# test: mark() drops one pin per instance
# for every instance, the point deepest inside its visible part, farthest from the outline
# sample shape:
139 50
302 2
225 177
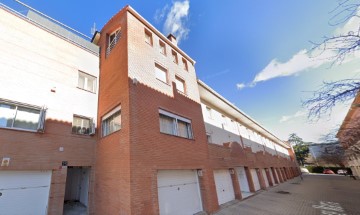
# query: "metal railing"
43 21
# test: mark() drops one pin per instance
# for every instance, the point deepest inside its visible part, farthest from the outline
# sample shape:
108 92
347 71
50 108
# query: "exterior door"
178 192
24 192
224 186
243 182
255 179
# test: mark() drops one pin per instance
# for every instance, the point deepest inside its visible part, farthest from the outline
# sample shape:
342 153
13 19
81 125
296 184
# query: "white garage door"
178 192
24 192
265 177
243 182
255 179
224 186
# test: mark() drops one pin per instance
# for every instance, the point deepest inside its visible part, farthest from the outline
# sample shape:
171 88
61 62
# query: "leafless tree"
337 48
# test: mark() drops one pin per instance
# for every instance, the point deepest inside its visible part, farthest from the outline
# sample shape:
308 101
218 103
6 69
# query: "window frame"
86 77
174 57
178 79
112 43
161 68
40 126
162 45
185 65
111 114
175 127
91 129
148 34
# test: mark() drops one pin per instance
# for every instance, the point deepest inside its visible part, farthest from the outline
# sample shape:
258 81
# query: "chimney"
172 38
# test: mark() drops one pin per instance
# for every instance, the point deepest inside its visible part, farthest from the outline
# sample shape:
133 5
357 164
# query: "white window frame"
91 125
87 79
106 117
41 119
182 81
159 68
177 118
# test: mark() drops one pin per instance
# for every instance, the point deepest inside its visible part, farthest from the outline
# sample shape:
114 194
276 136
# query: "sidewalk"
316 194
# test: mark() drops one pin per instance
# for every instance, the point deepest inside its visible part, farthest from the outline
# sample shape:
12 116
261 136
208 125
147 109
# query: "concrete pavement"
316 194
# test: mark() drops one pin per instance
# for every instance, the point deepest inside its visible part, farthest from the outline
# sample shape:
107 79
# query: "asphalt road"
315 195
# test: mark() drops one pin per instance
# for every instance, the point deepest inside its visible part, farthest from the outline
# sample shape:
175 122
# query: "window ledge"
102 137
163 82
86 90
191 139
20 129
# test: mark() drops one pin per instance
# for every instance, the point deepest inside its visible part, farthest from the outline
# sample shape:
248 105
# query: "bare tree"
337 48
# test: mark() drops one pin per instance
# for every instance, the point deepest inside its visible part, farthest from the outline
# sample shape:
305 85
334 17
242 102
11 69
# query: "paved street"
316 194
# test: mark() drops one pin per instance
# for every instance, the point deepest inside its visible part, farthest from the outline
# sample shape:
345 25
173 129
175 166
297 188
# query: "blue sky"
253 52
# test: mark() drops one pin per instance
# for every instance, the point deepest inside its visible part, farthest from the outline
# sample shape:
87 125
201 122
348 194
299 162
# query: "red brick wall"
40 151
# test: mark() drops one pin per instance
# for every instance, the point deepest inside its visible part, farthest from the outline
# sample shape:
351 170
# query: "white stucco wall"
34 61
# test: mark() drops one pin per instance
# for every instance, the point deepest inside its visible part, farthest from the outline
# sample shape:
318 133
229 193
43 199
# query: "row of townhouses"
120 124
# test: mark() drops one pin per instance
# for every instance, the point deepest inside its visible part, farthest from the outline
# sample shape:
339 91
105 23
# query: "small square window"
162 48
87 82
174 56
82 125
148 37
185 66
160 73
180 84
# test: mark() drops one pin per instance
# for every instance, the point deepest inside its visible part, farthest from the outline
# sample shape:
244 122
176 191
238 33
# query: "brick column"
208 191
57 191
271 183
236 185
261 179
250 180
275 175
278 171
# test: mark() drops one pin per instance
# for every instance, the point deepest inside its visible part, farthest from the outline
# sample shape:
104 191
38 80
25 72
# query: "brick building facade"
121 125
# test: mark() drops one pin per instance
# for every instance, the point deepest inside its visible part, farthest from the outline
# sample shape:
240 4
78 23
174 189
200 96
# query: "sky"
255 53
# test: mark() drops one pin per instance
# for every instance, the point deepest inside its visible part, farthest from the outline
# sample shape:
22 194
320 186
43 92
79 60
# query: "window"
209 112
208 136
113 40
148 37
180 84
18 116
87 82
83 125
162 48
175 125
185 66
160 73
111 122
174 56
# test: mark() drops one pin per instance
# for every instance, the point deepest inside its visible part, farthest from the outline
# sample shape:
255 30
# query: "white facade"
47 66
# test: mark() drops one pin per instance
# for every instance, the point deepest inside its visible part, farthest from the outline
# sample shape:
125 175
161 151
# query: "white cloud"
175 22
240 86
305 60
298 114
160 13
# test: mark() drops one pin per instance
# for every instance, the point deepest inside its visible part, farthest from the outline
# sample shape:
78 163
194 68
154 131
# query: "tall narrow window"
209 112
175 125
180 84
113 39
160 73
87 82
174 56
162 48
111 122
148 37
185 66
